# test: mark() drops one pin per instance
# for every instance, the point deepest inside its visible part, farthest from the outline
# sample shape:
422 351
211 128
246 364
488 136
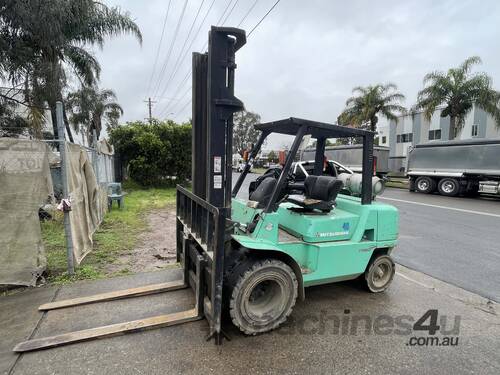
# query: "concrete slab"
319 339
19 318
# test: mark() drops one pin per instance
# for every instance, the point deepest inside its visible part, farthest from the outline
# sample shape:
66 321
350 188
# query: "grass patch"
117 235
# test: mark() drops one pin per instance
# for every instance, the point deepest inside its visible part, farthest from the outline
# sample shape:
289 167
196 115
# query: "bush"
156 155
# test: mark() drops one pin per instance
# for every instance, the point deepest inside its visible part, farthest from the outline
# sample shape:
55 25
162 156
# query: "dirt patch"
156 247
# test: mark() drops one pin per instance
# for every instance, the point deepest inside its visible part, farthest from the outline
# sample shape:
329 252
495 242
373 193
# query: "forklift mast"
213 106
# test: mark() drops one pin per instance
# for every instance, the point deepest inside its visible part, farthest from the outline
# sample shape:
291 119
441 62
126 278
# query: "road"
456 240
313 341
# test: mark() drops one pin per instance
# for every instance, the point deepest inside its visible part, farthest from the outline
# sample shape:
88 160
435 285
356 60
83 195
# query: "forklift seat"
320 193
263 192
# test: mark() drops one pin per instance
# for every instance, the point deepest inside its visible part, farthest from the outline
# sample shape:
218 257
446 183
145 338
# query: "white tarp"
25 184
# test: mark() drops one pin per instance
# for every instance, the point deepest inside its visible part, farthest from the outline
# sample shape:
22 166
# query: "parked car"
300 170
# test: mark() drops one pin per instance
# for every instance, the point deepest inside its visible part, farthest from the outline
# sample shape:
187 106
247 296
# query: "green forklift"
249 260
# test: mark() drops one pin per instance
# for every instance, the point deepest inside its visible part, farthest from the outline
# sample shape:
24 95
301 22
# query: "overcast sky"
306 56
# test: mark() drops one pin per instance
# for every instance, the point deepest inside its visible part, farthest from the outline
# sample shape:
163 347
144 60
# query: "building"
413 129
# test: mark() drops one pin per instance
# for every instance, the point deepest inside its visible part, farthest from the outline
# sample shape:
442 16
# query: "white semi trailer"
455 167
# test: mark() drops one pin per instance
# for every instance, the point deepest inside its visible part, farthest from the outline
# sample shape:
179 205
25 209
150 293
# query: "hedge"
157 154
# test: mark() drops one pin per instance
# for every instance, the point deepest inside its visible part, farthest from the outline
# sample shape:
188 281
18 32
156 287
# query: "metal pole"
95 164
94 155
64 174
286 168
150 111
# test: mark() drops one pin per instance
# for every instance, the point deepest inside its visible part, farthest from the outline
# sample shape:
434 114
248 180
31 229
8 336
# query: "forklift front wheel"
380 273
263 296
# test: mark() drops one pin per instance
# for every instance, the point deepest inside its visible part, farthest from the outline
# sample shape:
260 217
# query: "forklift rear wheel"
263 296
380 273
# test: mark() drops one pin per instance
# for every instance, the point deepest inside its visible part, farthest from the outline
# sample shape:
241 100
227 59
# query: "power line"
178 89
224 17
171 47
205 46
183 108
177 62
231 11
159 47
187 50
182 97
247 13
262 19
225 10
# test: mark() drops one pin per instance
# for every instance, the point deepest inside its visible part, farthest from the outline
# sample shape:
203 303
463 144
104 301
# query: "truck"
351 157
456 167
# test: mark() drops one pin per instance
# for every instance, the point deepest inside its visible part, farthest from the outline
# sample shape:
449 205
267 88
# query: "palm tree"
89 106
458 90
368 102
46 37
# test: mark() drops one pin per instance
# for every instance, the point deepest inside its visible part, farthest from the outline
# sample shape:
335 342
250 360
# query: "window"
404 138
384 139
474 130
434 134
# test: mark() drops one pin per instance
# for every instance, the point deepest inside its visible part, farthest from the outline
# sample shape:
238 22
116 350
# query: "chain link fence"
36 176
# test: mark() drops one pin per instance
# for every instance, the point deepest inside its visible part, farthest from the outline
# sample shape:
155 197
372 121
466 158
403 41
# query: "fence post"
95 164
64 176
95 155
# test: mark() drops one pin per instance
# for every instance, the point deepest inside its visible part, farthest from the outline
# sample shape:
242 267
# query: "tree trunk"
373 123
66 125
451 131
53 117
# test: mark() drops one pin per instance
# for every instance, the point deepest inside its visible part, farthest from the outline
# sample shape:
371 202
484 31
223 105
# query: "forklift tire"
380 274
263 296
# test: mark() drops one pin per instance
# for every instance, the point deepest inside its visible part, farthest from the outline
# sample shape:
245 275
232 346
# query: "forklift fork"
159 321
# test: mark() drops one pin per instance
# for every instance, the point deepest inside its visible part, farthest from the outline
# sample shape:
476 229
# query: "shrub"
156 155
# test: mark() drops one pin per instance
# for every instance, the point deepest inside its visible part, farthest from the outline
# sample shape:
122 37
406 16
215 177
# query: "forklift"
249 260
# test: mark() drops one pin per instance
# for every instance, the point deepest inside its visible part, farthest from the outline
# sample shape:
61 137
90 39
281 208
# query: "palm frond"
433 77
467 65
84 64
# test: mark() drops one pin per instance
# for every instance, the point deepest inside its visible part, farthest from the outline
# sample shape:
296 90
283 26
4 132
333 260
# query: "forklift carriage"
251 259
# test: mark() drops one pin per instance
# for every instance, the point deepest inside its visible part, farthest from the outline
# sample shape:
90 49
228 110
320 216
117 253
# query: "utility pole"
150 106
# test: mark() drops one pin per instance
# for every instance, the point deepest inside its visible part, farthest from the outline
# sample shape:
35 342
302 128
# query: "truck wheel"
380 274
449 187
425 185
263 296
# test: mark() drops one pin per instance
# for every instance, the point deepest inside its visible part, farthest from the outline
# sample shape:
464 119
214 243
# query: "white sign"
217 181
217 164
